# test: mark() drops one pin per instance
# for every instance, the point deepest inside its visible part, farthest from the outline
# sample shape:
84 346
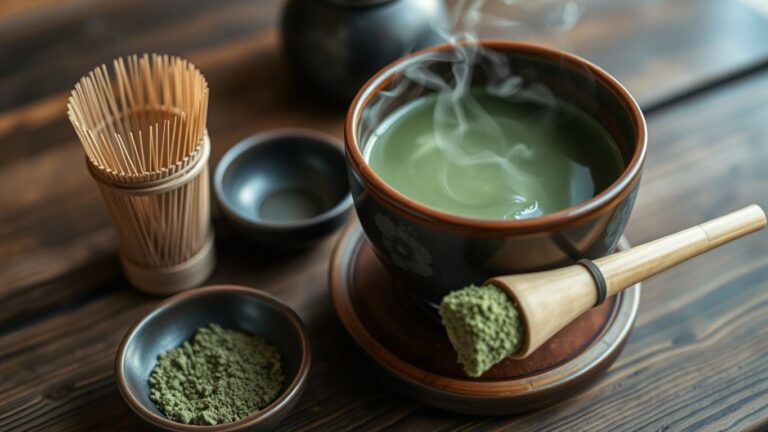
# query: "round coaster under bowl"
417 358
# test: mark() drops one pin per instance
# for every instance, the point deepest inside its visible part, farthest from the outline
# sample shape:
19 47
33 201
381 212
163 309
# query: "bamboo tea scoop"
548 301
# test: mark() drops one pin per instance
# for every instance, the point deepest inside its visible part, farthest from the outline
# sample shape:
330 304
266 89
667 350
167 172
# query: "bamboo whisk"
143 133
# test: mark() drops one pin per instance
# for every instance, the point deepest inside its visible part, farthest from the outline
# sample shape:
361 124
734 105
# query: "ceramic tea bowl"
286 188
176 319
434 252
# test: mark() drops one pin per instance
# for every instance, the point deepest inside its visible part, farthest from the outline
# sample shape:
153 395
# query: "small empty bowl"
286 187
177 319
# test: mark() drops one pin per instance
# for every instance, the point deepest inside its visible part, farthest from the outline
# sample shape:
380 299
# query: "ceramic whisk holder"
433 252
165 237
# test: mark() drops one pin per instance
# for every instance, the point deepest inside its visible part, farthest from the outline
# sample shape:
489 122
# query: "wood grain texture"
661 49
697 359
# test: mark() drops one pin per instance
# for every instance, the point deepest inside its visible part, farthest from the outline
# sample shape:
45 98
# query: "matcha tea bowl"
219 358
476 160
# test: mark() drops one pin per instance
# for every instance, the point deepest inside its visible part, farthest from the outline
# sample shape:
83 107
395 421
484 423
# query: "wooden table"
696 360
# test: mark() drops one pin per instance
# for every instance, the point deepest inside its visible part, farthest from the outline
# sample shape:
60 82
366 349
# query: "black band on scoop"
597 275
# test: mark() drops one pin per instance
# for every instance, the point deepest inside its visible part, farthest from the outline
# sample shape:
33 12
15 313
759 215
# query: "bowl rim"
292 390
415 210
264 138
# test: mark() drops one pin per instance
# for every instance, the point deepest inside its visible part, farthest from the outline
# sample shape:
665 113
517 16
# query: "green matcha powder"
219 376
483 325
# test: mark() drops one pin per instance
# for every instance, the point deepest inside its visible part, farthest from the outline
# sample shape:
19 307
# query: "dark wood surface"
697 359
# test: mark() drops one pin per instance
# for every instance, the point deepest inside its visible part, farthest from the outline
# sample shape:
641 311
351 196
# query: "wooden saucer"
412 349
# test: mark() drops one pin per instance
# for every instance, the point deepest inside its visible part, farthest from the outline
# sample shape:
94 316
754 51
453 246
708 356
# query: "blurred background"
659 49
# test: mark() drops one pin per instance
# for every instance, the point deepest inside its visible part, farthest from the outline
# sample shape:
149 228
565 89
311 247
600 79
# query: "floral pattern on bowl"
404 250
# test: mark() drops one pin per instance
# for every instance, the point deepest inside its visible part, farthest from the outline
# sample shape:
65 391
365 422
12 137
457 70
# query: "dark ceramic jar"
435 252
334 46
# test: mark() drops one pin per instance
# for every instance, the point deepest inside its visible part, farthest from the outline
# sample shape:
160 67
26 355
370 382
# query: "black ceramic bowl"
176 319
434 252
286 187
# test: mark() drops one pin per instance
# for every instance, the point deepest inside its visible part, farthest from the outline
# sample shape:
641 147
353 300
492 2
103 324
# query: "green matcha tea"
488 157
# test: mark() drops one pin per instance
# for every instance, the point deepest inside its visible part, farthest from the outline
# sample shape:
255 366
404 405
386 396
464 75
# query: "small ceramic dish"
176 319
286 187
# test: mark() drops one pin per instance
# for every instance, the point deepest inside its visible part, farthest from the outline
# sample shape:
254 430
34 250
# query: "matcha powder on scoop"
483 325
219 376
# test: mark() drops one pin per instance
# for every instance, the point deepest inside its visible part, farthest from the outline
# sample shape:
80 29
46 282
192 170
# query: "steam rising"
458 117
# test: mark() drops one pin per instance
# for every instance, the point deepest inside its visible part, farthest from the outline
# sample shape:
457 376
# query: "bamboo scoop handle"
624 269
550 300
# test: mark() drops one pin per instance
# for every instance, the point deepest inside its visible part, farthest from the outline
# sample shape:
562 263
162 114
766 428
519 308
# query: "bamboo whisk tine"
142 128
166 95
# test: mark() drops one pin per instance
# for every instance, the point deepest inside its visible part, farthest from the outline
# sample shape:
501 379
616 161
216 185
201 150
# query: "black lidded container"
334 46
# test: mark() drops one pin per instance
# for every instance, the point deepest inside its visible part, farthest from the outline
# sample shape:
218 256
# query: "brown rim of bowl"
569 215
269 411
